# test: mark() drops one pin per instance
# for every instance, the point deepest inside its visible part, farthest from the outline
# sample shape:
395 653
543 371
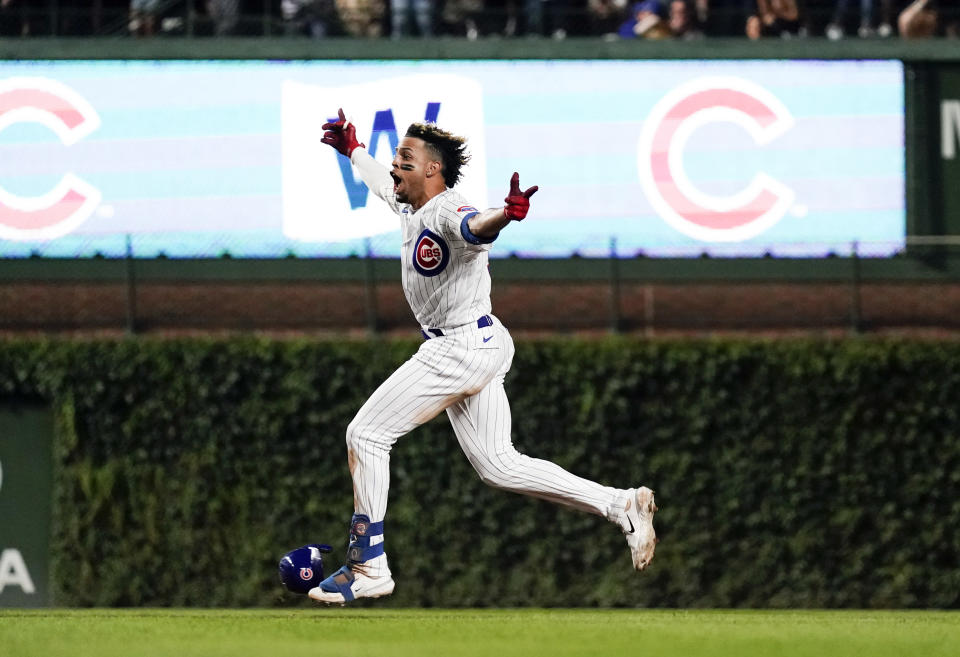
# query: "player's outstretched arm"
342 136
489 223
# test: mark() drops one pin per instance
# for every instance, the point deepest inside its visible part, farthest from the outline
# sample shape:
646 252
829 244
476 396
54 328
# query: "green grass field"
497 633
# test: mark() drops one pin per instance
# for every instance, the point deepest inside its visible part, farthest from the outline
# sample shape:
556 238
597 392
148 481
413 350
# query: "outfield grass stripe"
498 633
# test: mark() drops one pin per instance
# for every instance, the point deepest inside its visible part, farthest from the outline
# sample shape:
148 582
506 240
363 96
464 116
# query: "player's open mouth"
396 180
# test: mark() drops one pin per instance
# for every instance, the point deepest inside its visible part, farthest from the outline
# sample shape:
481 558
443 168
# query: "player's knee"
365 437
502 470
491 475
356 435
490 479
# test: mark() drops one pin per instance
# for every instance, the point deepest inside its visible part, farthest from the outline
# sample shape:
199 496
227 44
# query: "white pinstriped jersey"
445 275
462 371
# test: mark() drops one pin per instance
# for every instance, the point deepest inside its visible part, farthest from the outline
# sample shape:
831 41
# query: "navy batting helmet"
302 569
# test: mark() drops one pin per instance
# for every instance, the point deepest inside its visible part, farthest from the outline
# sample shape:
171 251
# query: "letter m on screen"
324 199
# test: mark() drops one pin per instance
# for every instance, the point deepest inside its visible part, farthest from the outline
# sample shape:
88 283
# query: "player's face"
409 170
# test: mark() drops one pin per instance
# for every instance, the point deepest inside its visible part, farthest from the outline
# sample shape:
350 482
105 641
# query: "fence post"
856 325
370 287
649 307
615 317
131 289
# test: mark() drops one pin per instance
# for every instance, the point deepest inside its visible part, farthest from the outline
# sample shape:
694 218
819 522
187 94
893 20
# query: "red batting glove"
342 135
517 202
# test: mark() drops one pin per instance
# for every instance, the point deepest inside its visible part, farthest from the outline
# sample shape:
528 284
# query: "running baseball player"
461 365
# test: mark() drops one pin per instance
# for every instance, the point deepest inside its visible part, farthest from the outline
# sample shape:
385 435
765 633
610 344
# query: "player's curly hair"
448 148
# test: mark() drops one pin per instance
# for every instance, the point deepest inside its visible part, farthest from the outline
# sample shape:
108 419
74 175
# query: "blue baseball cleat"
366 574
347 585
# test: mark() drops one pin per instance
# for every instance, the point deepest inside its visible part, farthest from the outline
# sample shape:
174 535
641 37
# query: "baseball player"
461 365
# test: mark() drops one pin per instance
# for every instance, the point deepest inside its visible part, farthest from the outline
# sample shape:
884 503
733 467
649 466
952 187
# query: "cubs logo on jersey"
430 254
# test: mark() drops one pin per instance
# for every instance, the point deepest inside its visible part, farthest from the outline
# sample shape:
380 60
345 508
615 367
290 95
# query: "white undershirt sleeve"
375 175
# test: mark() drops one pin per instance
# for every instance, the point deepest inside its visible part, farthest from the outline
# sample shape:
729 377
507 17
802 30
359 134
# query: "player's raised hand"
517 202
341 134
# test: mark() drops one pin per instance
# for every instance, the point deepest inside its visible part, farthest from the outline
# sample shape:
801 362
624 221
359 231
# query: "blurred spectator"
400 17
918 20
724 17
532 18
13 18
537 17
461 17
682 21
143 17
922 18
835 30
224 14
318 18
556 12
701 12
289 12
645 22
774 18
362 18
606 16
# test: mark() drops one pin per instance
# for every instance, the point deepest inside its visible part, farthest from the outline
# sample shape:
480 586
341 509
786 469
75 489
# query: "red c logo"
665 132
428 253
71 118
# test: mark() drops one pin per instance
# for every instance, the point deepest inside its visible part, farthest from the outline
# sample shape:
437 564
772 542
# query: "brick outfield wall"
523 306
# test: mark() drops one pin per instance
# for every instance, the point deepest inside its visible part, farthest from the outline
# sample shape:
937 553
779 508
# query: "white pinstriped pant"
463 374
